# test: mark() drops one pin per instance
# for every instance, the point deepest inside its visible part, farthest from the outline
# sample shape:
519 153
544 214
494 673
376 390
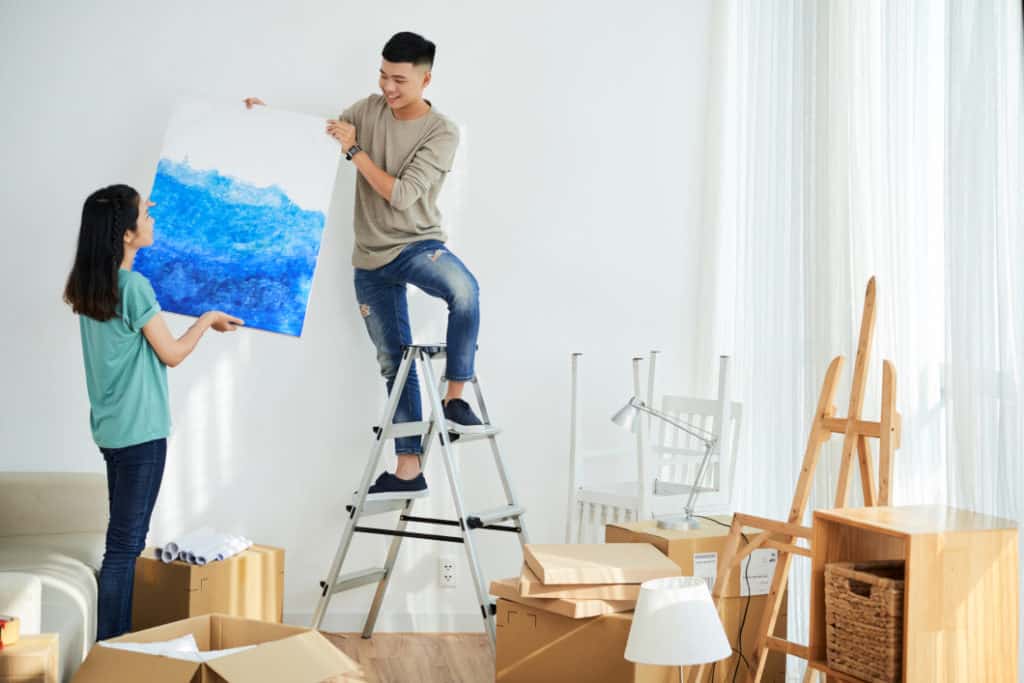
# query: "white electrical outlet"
447 572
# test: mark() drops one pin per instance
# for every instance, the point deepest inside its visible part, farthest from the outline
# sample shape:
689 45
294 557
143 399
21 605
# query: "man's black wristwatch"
352 151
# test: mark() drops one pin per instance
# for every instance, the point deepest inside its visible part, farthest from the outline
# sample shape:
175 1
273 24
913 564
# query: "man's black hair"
409 47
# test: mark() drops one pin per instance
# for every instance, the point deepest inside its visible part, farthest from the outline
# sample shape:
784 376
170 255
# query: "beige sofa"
52 525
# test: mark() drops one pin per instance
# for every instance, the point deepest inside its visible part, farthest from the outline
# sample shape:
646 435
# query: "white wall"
575 204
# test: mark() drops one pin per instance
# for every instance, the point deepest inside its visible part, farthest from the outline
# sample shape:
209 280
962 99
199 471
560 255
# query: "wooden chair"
667 467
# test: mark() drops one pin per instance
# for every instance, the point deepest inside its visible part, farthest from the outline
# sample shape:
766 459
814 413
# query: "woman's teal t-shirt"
126 380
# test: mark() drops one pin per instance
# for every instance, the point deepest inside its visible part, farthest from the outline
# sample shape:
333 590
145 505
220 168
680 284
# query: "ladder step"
488 517
355 580
488 432
399 429
439 350
379 507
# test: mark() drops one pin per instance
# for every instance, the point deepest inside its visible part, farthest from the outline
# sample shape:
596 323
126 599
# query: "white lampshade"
676 624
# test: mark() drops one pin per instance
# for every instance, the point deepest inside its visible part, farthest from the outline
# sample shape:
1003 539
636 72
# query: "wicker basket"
864 619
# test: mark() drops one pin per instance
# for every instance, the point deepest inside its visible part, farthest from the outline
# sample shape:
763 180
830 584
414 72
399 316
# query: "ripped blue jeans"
429 266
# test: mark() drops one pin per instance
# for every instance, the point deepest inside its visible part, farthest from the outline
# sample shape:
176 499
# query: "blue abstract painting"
226 242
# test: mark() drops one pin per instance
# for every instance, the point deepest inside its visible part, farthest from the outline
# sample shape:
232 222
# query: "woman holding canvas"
126 346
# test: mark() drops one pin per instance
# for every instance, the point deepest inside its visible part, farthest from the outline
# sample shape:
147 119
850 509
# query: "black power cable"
746 608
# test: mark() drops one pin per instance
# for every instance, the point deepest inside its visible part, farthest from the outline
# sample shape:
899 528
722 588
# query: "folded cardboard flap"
304 658
598 563
574 609
284 653
197 626
227 632
530 586
107 665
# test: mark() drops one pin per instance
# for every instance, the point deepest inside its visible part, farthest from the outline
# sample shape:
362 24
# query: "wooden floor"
419 657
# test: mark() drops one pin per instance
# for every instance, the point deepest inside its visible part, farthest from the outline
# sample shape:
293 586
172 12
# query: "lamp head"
626 416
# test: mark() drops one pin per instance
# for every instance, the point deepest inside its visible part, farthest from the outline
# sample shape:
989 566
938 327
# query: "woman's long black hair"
92 285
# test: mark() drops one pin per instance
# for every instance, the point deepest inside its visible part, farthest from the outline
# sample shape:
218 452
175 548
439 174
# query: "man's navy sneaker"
390 487
461 418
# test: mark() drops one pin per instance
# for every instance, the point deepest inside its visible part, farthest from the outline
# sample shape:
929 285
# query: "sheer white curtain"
851 139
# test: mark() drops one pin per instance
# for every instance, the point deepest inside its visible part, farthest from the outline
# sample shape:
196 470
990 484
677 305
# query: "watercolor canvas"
241 203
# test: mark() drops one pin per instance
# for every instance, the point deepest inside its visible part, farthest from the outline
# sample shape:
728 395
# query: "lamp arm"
709 439
691 501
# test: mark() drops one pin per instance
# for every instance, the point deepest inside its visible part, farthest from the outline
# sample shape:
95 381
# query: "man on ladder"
403 151
403 148
407 149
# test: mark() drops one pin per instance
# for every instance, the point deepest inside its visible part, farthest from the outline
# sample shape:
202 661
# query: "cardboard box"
574 609
730 610
33 659
536 646
597 563
283 653
530 586
697 551
248 585
10 630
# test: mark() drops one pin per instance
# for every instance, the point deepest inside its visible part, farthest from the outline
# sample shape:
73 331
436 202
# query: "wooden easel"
782 536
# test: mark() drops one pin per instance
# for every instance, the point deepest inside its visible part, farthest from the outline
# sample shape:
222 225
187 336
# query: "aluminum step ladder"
467 523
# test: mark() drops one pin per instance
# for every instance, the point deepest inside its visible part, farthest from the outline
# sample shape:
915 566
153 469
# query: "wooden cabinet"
960 606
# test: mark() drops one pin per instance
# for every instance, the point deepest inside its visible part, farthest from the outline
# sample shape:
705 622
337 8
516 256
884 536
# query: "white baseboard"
394 622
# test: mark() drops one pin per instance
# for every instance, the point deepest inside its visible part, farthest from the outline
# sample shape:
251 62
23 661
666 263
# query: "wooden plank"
768 618
887 437
867 471
907 520
753 544
860 364
960 607
789 647
845 469
817 436
775 526
860 377
728 563
840 425
788 548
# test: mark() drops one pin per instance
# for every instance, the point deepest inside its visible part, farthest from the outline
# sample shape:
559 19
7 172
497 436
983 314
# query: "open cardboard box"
537 646
283 653
696 551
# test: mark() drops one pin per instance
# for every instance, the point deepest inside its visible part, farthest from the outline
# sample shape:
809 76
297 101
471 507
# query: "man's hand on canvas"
251 102
343 132
222 322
